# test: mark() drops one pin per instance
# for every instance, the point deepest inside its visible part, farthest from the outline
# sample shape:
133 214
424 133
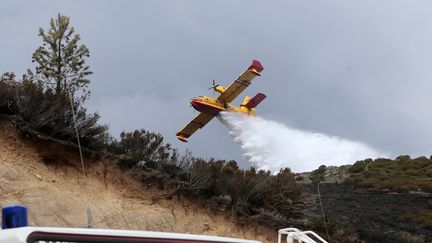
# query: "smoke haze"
271 145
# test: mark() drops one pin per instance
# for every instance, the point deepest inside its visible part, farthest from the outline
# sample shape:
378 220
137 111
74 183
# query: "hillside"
375 215
380 200
46 178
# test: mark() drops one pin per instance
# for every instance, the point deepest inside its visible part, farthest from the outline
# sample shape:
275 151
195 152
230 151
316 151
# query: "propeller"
213 86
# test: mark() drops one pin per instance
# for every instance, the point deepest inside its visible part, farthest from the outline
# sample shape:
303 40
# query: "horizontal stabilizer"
252 103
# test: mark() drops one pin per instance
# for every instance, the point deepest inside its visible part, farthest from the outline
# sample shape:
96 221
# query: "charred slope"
376 215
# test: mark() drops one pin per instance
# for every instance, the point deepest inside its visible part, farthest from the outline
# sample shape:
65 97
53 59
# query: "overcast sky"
359 70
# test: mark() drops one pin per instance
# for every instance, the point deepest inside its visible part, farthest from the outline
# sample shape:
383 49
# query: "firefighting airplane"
210 107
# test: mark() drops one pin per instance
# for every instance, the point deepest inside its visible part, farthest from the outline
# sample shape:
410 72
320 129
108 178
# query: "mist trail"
271 145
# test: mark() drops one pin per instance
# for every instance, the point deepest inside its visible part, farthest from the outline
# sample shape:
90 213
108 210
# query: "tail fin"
246 100
252 103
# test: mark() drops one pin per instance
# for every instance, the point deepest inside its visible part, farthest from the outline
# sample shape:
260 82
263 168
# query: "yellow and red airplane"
209 107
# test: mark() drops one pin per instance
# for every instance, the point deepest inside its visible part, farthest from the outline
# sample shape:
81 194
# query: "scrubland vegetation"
402 174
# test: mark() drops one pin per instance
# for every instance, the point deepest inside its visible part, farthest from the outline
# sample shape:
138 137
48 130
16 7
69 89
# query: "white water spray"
270 145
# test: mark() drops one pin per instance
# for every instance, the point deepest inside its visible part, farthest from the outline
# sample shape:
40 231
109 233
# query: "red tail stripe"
252 103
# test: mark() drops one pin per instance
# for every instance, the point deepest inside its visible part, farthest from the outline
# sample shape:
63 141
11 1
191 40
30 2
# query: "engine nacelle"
219 88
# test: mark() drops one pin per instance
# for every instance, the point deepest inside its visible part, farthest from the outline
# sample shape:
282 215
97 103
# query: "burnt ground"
376 216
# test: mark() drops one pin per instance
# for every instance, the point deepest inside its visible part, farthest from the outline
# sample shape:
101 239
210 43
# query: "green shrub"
142 146
358 167
8 92
402 174
318 175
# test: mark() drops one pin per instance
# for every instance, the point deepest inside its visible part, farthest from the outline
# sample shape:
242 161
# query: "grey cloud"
357 70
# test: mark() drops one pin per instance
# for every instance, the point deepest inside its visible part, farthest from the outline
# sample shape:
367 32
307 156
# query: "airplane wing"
241 83
198 122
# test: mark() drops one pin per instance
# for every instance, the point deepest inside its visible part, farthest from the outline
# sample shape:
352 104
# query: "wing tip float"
256 67
181 137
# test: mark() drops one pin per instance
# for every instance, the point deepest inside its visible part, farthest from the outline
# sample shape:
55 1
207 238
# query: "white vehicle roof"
45 234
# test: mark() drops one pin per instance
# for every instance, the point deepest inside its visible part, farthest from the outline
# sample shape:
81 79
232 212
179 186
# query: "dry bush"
249 191
8 92
142 145
36 107
223 185
199 178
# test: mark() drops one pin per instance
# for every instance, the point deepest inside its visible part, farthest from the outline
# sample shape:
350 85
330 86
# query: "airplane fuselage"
213 106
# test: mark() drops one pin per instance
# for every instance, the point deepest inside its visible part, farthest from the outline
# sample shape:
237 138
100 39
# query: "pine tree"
60 61
61 78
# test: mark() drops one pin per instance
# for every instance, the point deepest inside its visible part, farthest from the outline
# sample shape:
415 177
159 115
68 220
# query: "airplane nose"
195 103
195 100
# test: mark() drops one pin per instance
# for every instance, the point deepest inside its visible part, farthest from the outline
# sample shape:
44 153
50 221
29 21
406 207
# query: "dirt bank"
46 178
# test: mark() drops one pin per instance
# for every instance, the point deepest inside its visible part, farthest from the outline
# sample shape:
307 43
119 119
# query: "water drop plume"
271 145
